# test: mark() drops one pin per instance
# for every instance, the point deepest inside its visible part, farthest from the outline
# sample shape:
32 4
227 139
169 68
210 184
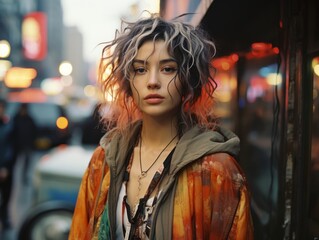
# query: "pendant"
139 179
143 174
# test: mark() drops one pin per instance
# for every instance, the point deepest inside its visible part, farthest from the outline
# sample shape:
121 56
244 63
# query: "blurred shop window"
249 87
313 228
226 92
259 90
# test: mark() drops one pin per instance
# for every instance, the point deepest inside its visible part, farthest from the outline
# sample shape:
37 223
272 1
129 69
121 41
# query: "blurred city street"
265 82
23 194
21 199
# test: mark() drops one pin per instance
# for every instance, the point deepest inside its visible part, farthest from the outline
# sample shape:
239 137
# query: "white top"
122 221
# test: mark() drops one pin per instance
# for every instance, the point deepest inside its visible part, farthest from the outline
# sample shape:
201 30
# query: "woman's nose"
153 81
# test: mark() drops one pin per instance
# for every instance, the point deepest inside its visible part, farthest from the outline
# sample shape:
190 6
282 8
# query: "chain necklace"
144 173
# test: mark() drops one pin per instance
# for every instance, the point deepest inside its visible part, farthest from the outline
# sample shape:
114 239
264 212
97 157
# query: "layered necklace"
141 211
143 173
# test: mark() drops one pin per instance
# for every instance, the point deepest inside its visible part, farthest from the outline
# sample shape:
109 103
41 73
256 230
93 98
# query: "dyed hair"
193 51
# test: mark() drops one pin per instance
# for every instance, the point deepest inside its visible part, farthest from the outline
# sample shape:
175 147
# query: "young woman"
167 170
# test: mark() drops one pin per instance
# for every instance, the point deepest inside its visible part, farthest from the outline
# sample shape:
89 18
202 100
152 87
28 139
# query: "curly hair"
190 46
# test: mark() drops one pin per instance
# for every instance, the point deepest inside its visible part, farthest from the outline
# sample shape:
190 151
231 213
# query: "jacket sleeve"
234 192
83 217
242 227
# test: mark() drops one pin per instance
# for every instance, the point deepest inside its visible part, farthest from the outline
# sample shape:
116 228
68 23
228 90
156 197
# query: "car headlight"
62 122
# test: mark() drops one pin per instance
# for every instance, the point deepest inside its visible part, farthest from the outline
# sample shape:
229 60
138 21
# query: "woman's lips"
154 99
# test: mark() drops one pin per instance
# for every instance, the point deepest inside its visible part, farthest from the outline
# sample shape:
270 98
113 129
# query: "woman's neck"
158 133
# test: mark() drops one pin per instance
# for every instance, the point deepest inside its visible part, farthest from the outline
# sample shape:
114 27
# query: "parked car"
51 121
57 179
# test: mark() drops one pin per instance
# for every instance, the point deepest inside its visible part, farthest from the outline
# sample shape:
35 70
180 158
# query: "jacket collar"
194 144
116 145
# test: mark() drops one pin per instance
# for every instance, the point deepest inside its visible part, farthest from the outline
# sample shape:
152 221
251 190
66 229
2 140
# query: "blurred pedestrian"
166 171
92 128
6 166
24 134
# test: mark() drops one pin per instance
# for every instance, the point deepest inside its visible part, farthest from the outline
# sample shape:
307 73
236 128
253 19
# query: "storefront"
267 70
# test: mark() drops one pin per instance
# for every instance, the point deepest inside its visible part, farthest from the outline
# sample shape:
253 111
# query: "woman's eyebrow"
162 61
139 61
168 60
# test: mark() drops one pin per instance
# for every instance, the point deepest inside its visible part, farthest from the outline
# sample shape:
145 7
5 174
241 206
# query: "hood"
116 145
194 144
197 143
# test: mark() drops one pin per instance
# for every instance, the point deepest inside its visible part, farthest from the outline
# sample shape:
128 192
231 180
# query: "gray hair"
193 51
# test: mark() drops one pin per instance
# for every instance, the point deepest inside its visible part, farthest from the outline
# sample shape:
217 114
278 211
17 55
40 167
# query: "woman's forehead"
153 49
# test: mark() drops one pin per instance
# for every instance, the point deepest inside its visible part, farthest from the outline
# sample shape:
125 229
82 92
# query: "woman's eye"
139 70
169 69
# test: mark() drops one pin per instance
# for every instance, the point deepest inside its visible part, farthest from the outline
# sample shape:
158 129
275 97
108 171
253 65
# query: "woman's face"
155 85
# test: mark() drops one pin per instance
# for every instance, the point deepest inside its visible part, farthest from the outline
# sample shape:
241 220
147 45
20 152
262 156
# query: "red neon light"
34 36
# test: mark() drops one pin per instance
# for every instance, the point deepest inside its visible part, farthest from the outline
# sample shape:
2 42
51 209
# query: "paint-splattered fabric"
203 196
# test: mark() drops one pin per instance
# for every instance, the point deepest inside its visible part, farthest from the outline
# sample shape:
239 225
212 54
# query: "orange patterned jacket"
204 195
